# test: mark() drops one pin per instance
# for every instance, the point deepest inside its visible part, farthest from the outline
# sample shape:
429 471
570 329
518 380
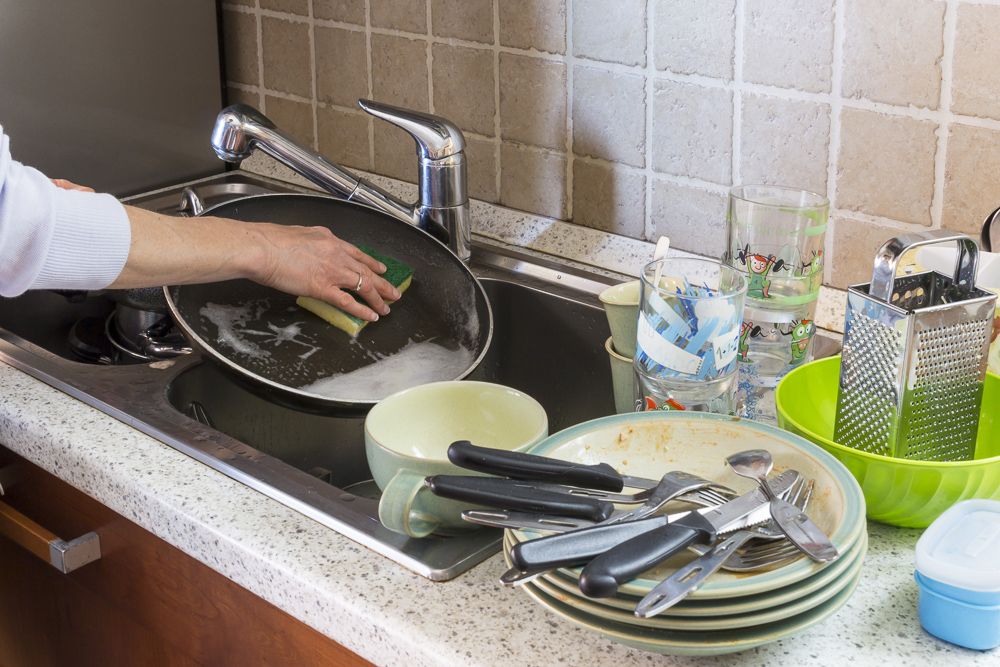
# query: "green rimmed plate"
741 605
703 643
667 621
649 444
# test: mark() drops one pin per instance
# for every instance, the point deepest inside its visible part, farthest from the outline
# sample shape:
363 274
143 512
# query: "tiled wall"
634 116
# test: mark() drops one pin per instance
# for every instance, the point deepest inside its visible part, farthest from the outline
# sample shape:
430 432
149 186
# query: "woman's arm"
306 261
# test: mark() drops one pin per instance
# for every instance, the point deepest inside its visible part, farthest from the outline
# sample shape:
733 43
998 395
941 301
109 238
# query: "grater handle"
888 256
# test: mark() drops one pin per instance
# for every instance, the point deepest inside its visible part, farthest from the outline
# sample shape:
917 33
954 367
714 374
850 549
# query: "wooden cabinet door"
143 603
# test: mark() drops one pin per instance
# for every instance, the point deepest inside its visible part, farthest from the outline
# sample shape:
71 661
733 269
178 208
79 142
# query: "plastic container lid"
961 547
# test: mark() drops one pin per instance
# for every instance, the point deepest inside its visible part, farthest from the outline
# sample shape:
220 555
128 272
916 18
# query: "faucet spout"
443 205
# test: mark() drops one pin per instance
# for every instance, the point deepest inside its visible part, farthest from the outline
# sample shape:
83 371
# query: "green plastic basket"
900 492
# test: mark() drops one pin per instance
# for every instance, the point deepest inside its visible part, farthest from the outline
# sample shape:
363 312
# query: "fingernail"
381 267
385 311
375 318
396 294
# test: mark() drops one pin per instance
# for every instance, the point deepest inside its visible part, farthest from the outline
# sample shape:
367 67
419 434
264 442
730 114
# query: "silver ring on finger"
361 280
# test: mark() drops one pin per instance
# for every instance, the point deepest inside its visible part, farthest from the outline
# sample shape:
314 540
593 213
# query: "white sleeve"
52 238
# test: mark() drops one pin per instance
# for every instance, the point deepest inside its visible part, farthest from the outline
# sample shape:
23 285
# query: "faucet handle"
436 137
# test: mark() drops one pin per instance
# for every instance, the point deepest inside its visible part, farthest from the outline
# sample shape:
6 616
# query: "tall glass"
687 341
775 237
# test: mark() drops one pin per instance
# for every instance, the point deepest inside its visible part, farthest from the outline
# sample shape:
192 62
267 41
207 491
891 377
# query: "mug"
407 436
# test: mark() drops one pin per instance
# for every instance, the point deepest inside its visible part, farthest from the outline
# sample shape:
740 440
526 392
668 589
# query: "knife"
602 575
517 495
578 547
518 465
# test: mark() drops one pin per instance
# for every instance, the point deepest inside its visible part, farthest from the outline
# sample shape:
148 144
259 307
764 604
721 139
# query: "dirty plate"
650 444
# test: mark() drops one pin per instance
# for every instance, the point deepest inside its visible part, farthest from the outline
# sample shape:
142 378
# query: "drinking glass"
775 237
687 342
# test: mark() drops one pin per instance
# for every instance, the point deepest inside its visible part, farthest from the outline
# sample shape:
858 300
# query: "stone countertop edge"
534 234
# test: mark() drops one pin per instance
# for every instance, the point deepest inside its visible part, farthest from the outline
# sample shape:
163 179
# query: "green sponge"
396 272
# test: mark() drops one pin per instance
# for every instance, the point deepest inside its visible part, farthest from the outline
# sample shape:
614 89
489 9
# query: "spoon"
756 464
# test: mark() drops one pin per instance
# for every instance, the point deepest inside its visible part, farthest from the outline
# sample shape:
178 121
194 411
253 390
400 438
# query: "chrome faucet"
442 208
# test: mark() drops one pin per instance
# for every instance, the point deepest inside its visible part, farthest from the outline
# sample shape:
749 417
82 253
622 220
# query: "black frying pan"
439 330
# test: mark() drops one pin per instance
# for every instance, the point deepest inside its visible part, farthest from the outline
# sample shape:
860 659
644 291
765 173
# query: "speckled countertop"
380 610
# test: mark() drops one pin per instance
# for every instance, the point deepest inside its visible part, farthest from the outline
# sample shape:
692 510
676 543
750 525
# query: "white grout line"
570 158
737 95
371 82
649 230
497 149
944 104
833 147
430 56
260 54
315 73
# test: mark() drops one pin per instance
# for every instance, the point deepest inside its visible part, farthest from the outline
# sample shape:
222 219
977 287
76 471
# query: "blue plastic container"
958 574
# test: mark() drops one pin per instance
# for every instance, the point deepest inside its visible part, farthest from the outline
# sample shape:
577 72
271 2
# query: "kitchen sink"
549 333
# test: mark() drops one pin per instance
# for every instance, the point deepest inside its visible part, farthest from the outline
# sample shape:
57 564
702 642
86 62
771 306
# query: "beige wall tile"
533 180
237 96
245 3
785 142
609 198
972 178
854 245
695 36
609 115
464 88
300 7
893 51
399 71
613 34
343 137
533 101
693 218
533 24
481 166
976 82
789 43
886 165
286 56
395 152
463 19
294 118
692 131
239 32
408 15
345 11
341 66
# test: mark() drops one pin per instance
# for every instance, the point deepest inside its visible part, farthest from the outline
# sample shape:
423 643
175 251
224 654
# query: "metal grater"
914 360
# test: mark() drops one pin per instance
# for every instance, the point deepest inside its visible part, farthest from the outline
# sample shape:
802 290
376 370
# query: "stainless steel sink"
548 341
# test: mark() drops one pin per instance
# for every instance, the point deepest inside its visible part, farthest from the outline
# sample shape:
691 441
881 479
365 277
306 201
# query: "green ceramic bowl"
897 491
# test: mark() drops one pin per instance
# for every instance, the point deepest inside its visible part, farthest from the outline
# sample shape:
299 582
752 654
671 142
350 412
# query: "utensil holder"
915 353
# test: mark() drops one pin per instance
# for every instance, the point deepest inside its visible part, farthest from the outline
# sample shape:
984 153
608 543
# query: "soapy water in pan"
415 364
418 362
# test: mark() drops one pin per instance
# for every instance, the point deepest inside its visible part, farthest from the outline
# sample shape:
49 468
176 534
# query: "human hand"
70 185
311 261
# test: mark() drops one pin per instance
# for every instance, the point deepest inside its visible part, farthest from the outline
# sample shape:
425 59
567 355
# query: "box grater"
915 353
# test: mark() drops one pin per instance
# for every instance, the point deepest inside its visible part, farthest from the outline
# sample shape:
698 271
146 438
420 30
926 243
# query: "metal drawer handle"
62 555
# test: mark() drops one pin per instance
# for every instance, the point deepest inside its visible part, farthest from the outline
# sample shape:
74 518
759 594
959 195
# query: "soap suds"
415 364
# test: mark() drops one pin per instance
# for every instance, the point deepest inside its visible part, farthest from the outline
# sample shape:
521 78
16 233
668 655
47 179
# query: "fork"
690 577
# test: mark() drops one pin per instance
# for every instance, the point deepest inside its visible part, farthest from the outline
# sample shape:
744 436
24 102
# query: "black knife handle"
602 575
579 546
510 494
518 465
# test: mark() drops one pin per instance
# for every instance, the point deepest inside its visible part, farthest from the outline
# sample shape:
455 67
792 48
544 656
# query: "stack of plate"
731 611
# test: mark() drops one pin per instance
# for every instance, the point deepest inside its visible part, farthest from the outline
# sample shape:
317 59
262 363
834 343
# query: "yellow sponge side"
338 318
